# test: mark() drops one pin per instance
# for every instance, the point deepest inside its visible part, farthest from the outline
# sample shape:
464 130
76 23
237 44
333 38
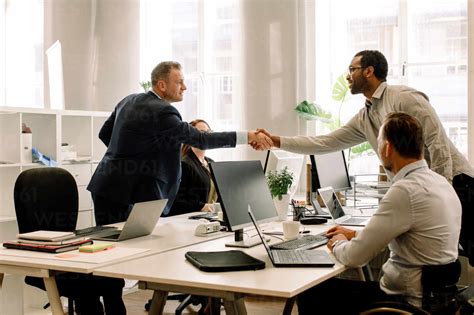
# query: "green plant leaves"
146 85
279 182
311 111
340 88
358 149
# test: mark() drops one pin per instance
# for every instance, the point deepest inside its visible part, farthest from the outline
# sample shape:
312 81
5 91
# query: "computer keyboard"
93 230
304 242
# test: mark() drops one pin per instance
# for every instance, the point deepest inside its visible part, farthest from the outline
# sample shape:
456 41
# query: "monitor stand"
248 242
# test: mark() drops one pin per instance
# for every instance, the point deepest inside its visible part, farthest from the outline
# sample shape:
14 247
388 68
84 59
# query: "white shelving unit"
50 128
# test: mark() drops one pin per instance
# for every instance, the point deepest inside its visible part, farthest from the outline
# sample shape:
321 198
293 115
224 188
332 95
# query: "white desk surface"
170 233
172 268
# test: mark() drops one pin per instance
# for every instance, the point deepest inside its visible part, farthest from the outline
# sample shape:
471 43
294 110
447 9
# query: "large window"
21 53
203 37
425 42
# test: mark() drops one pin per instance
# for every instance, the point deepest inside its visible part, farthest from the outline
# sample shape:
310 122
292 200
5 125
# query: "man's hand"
208 207
336 230
338 237
275 139
259 141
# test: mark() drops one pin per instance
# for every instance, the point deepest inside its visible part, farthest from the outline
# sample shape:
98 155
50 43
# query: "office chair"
46 198
186 300
439 293
395 308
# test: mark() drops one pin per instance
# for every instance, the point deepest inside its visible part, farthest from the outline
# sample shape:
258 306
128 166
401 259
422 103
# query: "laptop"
293 258
337 211
141 221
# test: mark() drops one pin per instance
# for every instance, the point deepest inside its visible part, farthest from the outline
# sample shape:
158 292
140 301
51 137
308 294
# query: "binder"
231 260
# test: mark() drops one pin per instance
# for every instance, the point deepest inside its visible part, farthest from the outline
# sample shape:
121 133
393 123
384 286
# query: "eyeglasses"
351 69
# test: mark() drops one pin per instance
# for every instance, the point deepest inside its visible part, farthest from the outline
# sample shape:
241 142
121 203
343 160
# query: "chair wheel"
147 305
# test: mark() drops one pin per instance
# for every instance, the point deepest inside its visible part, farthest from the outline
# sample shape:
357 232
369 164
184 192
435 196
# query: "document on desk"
76 256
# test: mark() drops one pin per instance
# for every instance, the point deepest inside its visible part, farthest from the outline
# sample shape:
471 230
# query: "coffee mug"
216 207
291 229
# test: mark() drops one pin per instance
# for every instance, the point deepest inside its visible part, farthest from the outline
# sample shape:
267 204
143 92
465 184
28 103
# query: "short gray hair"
162 71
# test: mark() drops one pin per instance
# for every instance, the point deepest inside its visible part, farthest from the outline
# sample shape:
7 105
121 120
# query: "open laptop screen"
332 203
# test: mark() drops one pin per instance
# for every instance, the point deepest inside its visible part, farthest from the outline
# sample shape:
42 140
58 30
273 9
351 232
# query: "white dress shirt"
420 220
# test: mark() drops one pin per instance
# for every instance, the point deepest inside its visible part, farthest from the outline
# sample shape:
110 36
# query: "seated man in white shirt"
419 219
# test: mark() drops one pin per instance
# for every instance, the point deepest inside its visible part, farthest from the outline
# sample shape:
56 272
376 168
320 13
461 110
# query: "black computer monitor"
328 169
238 185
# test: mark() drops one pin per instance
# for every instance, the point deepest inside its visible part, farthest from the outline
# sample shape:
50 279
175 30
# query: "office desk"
170 272
170 233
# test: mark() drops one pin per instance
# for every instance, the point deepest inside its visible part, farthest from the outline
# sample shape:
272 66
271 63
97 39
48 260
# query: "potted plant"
146 85
279 182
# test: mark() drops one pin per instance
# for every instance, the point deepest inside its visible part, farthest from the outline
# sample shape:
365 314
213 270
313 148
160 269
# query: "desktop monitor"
238 185
278 159
328 170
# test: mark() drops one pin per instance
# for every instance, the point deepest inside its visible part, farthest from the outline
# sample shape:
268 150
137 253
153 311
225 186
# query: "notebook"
336 210
141 221
50 236
293 258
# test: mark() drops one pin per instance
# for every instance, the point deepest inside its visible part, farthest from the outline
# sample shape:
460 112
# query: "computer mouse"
309 221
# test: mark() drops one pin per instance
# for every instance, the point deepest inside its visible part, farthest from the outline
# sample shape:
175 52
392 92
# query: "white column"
269 66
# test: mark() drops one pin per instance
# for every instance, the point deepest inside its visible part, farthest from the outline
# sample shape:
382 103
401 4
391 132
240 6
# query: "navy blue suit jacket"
143 136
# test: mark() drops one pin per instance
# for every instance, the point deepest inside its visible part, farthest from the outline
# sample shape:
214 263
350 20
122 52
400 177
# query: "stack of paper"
47 241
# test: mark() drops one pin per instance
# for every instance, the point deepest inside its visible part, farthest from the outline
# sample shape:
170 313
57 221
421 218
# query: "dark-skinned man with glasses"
367 74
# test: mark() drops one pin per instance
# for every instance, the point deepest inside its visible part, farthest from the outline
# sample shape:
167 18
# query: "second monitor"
328 169
238 185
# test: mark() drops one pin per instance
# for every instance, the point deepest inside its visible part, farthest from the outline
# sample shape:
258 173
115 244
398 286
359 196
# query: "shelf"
7 218
9 165
50 129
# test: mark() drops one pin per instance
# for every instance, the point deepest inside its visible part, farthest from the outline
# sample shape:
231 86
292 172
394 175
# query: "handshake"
261 140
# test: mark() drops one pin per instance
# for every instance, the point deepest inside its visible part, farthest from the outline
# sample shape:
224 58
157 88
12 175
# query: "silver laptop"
141 221
337 212
293 257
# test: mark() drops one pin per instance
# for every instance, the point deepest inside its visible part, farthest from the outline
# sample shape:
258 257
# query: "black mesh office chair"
47 199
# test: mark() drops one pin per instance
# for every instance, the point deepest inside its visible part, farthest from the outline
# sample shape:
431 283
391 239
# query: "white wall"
100 44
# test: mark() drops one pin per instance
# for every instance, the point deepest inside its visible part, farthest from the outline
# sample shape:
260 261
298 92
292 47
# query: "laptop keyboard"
304 242
291 256
94 230
354 221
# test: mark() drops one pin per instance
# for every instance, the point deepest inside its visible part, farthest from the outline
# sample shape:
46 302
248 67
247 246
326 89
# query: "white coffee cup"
216 207
291 229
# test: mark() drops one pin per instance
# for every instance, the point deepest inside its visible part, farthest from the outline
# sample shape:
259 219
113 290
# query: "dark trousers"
86 291
341 296
464 187
108 212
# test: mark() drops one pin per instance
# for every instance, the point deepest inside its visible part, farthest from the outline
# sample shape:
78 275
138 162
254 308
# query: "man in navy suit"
143 136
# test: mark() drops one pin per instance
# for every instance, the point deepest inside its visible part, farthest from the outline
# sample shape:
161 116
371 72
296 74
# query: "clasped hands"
260 139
